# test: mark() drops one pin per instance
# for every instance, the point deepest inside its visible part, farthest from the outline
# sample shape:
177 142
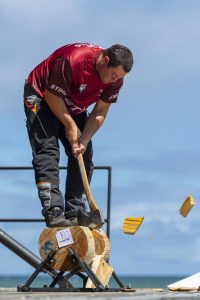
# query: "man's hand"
79 147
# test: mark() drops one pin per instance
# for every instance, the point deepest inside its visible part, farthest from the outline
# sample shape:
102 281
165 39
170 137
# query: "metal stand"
59 278
62 280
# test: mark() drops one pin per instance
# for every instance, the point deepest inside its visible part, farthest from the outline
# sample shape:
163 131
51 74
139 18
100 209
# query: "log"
99 266
61 239
102 270
102 243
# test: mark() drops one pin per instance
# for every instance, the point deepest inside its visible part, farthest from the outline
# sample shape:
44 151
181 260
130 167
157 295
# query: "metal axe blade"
92 219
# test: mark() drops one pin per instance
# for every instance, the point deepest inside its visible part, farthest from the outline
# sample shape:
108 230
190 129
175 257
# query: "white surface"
192 281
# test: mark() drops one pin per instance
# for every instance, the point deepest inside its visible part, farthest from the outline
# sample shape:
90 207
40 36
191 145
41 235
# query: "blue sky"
150 137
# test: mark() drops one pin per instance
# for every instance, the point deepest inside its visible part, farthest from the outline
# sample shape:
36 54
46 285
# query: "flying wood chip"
187 206
131 224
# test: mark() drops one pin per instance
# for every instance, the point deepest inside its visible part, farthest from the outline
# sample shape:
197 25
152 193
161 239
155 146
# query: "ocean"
11 281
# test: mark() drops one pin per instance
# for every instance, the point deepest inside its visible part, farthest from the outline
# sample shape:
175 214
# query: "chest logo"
82 87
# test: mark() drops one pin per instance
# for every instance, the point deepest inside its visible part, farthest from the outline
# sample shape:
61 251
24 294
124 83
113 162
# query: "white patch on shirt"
87 45
73 107
113 96
82 87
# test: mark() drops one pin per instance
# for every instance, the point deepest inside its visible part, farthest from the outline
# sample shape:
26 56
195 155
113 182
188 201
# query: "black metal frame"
63 280
107 220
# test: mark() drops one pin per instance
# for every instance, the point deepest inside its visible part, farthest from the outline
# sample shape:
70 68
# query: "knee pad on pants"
44 193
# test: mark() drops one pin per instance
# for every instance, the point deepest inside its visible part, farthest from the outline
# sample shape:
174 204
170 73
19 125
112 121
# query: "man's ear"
105 60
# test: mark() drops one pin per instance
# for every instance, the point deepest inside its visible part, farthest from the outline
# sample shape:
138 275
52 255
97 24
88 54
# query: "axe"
94 218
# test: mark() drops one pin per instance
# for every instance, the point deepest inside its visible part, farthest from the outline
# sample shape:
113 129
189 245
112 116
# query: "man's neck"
98 64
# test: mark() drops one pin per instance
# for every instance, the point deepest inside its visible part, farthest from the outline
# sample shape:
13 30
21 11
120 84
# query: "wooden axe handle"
92 203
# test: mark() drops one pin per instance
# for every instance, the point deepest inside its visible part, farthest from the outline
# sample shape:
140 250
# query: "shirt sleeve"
60 78
110 94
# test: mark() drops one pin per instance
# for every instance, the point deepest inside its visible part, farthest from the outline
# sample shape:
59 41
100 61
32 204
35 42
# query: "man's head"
114 63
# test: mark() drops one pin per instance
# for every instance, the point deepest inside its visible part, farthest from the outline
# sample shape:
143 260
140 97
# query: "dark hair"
119 55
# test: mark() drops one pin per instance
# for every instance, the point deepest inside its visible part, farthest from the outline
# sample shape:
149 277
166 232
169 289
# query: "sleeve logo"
58 89
113 96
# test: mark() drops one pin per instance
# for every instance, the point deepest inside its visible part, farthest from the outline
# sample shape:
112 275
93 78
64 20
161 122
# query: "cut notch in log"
102 243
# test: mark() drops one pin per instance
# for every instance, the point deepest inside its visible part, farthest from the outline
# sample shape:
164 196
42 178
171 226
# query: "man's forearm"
59 109
93 123
95 120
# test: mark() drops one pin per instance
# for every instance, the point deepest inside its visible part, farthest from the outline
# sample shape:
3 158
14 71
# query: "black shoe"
72 219
55 218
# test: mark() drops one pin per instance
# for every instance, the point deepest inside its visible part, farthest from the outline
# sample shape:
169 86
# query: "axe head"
93 219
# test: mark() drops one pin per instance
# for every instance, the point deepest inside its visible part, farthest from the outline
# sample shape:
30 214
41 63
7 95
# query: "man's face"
111 74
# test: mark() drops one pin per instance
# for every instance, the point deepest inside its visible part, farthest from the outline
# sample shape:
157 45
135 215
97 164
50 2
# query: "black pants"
45 131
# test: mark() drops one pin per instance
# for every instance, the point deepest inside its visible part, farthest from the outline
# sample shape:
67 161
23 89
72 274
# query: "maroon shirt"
70 73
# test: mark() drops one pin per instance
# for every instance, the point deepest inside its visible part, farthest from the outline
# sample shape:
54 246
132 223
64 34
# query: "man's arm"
93 123
59 109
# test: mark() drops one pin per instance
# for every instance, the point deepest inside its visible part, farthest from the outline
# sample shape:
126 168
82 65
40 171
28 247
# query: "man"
56 96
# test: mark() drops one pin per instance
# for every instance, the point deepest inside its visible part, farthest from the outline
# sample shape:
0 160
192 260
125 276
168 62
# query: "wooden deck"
139 294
